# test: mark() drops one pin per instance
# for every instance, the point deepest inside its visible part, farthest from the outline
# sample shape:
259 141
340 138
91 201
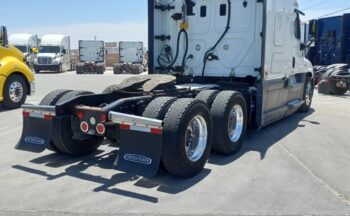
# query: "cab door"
298 73
277 61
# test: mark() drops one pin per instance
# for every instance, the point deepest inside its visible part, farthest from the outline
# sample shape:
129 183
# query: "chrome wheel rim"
196 138
308 93
235 123
16 92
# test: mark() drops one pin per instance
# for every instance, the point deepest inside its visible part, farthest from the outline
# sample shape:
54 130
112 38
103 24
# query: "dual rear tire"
63 140
189 134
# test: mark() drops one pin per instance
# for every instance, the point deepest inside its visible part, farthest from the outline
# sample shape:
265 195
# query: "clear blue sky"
24 13
109 20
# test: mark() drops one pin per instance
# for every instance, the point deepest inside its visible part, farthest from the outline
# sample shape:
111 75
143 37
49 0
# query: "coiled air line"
183 30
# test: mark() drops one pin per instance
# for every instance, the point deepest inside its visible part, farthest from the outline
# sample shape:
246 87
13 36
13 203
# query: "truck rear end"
91 57
216 66
131 58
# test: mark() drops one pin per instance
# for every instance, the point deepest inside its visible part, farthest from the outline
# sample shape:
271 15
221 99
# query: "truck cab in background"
131 58
26 43
54 54
16 78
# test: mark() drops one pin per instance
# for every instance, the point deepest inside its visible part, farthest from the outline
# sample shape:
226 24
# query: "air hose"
209 52
174 60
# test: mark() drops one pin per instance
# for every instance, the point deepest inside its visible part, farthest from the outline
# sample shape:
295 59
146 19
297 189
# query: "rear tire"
117 68
308 95
229 110
15 92
185 150
207 96
158 108
63 136
51 100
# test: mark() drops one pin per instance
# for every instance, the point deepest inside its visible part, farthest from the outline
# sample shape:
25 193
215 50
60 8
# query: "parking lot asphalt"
297 166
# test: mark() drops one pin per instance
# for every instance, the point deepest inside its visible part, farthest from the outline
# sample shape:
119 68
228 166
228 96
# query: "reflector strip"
145 129
41 115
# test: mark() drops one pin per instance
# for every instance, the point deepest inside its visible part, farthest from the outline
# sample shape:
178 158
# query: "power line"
335 12
315 5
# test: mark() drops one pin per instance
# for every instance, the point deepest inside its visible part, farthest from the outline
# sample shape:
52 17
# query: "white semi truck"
91 57
54 54
131 58
216 66
25 43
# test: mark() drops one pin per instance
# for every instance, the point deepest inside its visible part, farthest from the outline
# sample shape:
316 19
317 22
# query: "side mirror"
3 36
34 50
64 51
303 46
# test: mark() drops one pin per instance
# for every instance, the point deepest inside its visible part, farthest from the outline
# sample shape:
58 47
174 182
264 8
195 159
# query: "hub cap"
235 123
16 92
196 138
308 93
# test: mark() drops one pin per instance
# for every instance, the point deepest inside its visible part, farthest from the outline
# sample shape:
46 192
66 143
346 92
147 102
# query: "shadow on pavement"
3 110
163 182
256 139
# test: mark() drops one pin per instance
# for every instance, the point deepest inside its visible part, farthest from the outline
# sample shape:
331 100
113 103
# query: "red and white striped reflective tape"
158 131
41 115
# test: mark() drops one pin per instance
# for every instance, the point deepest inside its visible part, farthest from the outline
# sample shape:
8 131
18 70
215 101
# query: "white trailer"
216 66
131 58
54 54
91 57
25 43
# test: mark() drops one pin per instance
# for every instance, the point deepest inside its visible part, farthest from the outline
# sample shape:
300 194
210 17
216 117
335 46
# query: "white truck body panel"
91 51
54 52
261 47
131 52
24 41
240 53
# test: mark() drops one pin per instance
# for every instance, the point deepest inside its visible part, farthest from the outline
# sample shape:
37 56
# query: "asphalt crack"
340 196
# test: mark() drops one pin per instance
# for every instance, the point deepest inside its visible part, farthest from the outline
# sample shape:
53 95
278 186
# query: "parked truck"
54 54
131 58
330 53
16 78
91 57
215 67
26 43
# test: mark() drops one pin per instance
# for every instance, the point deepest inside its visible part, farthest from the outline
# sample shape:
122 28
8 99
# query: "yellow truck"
16 78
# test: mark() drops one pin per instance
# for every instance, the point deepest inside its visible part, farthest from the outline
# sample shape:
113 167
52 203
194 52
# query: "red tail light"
103 118
101 129
84 126
26 114
80 114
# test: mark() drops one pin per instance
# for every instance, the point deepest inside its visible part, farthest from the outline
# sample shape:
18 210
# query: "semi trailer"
16 78
91 57
26 43
54 54
131 58
215 68
330 53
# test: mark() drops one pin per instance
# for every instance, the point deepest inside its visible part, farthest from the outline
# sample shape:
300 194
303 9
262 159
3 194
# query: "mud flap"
140 150
37 130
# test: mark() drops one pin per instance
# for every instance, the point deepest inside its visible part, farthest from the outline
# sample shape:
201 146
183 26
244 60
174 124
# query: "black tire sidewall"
174 142
182 134
238 99
224 144
8 103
